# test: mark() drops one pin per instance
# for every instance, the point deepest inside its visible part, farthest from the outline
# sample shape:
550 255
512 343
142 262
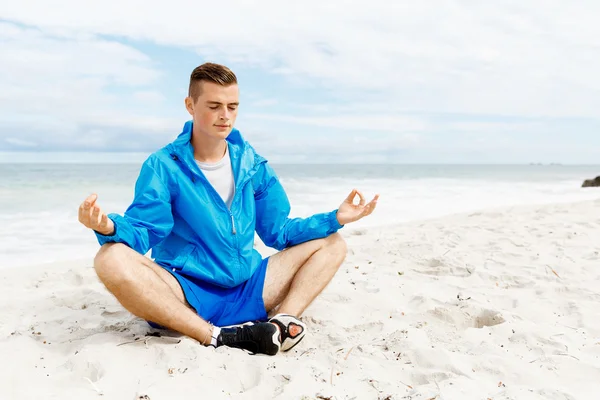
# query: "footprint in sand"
250 375
468 318
283 380
367 287
82 367
356 332
419 379
75 277
78 277
116 314
487 318
441 267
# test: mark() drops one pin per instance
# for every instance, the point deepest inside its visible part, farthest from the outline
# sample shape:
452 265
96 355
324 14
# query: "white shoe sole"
283 321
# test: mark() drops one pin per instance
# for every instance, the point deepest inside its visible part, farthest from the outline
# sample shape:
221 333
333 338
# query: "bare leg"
148 291
296 275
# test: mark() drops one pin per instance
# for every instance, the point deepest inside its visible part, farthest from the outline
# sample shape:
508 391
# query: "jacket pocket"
183 256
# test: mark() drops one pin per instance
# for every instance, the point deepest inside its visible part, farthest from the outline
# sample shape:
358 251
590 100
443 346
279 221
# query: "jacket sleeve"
273 224
148 220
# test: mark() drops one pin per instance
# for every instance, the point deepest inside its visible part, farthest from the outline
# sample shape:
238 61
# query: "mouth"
222 126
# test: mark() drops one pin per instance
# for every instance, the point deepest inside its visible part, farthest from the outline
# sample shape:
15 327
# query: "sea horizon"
98 157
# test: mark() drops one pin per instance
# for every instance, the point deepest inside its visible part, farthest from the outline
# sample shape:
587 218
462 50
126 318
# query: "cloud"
86 137
373 123
66 89
149 96
20 142
512 57
410 74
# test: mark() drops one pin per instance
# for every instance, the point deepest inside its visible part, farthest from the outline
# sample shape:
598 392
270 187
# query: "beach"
500 303
197 128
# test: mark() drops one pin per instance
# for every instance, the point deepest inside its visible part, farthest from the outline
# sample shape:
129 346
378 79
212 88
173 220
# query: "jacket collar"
242 155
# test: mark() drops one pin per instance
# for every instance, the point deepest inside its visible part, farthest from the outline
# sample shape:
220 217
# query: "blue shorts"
226 306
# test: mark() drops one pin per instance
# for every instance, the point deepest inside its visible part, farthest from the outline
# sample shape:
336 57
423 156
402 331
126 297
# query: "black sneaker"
261 338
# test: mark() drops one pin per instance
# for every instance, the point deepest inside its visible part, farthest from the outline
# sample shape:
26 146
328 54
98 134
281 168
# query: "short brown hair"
210 72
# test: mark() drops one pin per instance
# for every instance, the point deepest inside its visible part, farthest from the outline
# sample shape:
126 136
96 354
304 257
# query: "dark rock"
591 182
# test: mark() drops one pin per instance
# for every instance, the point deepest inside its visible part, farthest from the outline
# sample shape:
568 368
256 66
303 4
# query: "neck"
206 149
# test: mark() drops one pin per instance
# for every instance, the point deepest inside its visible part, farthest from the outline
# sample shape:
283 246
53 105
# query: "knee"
336 243
108 262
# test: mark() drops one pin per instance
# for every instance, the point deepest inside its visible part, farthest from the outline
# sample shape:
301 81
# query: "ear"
189 105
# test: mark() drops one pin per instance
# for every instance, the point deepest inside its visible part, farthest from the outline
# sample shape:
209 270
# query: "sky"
378 81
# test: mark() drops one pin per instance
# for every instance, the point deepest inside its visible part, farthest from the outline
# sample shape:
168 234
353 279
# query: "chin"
222 132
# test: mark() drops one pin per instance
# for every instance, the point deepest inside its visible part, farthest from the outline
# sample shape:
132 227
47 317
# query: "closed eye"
232 108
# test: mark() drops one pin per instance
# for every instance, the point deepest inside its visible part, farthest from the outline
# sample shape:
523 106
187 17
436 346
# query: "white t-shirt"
220 176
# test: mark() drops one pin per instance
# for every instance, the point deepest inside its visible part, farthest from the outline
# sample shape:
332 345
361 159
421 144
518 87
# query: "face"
215 110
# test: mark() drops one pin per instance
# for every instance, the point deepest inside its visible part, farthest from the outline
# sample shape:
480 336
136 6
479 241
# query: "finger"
100 214
80 213
84 214
89 201
371 206
374 201
95 217
366 210
362 198
350 198
104 221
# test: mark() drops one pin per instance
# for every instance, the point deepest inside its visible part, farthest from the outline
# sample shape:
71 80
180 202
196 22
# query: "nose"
226 113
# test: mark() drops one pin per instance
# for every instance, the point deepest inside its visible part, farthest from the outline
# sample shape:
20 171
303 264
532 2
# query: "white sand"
502 304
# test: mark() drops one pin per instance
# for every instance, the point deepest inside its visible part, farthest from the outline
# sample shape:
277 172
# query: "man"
198 202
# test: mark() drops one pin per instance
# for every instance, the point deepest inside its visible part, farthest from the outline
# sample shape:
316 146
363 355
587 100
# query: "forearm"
273 224
124 232
293 231
138 234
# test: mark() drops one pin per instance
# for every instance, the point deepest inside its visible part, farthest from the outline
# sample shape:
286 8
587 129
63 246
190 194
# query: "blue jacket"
179 215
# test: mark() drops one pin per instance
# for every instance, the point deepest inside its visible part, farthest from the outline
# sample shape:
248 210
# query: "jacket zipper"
232 223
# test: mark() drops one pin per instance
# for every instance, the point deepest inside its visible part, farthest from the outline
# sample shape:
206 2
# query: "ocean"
39 202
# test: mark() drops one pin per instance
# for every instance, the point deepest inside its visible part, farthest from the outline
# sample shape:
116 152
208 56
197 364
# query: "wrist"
108 231
340 221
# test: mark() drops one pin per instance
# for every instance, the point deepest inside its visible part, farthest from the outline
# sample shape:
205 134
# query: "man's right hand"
94 218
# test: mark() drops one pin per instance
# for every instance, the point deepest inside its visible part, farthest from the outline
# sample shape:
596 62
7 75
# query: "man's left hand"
350 212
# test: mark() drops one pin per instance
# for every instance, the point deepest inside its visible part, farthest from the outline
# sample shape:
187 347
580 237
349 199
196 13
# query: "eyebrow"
219 103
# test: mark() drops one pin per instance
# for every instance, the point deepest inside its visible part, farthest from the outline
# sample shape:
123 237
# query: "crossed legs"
296 275
294 278
148 291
